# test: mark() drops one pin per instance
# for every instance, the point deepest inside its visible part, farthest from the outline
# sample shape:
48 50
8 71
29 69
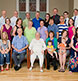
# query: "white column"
27 5
47 6
17 5
37 5
75 4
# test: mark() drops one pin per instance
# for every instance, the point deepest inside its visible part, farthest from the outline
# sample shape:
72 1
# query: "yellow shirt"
50 48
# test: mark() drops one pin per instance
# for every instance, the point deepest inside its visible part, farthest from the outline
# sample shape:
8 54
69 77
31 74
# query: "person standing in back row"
55 16
36 20
14 19
75 18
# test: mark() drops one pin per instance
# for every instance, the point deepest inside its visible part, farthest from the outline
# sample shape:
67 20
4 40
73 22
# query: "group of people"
56 34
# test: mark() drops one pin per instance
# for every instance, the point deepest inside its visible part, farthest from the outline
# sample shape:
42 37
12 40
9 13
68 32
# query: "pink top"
70 32
8 31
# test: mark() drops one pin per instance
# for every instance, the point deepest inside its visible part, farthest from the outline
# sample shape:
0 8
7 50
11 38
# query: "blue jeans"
7 56
18 58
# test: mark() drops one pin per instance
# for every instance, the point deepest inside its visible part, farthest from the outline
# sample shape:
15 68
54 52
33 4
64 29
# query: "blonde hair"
3 37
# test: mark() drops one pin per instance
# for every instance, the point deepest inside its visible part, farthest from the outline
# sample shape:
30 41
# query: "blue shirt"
62 27
36 23
19 43
53 28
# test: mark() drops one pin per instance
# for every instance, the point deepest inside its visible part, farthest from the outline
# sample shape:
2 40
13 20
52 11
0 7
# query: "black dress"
73 61
17 29
46 23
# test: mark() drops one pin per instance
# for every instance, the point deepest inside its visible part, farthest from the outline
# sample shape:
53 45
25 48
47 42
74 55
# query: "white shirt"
13 21
37 45
2 21
67 20
76 21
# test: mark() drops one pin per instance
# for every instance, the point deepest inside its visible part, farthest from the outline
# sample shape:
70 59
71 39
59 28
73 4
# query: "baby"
62 46
51 49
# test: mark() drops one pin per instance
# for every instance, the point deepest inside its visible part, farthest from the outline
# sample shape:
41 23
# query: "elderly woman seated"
37 47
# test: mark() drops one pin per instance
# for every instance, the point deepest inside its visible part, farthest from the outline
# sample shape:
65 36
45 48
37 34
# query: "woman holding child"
63 46
51 44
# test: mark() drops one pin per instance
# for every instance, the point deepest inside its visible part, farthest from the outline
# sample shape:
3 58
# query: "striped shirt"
62 27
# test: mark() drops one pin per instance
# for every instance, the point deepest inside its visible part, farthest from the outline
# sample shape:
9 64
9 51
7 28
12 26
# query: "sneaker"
16 68
41 70
30 68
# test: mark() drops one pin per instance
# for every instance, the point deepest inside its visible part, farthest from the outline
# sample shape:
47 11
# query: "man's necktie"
74 19
65 21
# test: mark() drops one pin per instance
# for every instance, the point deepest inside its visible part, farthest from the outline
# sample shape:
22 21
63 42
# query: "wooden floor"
35 75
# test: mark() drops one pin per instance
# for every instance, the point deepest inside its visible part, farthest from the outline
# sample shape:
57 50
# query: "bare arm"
46 34
72 44
73 30
1 29
14 31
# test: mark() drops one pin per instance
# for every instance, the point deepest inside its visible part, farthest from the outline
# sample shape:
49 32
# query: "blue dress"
73 64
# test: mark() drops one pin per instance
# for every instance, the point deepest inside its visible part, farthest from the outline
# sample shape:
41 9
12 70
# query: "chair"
28 57
11 61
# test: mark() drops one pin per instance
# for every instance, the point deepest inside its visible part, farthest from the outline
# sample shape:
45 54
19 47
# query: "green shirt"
25 22
29 33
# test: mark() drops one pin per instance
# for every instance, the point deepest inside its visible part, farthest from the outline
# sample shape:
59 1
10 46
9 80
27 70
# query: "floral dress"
73 64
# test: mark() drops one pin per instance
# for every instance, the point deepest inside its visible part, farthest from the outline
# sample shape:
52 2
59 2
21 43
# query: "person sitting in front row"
19 44
37 47
4 50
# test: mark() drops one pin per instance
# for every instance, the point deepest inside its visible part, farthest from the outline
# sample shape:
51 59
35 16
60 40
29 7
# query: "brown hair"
31 21
38 12
51 32
62 16
5 34
76 9
49 41
27 13
55 9
63 32
7 19
18 20
66 12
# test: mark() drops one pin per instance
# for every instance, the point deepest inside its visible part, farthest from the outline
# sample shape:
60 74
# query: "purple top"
8 31
42 32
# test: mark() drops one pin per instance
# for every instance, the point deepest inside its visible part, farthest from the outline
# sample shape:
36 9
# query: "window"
43 5
32 6
22 5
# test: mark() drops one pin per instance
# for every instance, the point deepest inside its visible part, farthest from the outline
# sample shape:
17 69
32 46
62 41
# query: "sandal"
60 70
63 70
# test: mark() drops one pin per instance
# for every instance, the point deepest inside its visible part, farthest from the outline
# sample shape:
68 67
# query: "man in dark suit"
55 16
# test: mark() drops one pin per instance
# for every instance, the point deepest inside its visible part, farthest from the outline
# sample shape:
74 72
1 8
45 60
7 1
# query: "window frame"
37 6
